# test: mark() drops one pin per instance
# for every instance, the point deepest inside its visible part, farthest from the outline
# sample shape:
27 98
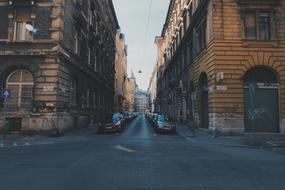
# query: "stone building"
161 88
224 64
152 90
121 71
141 101
130 95
58 58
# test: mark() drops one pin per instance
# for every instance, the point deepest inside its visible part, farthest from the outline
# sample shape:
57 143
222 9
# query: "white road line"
271 143
187 138
27 144
2 145
124 149
15 144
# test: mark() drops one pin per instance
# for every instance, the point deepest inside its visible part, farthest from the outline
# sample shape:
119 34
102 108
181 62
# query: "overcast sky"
133 19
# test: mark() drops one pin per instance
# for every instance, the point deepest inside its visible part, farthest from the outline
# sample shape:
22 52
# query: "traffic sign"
6 93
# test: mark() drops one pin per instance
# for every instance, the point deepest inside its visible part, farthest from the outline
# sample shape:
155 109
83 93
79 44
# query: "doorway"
261 101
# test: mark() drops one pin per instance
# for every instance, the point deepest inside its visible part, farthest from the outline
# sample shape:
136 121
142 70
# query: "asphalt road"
138 159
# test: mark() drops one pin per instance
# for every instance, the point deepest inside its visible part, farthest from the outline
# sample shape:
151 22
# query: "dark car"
111 124
164 124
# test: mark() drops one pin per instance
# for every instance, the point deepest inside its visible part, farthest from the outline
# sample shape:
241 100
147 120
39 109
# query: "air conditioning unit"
220 76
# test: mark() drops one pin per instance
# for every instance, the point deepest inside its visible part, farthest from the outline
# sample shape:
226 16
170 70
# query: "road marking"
154 135
15 144
27 144
186 137
271 143
123 148
2 145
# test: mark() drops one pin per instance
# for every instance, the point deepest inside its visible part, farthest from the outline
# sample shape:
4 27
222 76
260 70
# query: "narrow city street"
138 159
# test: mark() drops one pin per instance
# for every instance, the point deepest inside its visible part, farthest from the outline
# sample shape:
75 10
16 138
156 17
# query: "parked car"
111 124
164 124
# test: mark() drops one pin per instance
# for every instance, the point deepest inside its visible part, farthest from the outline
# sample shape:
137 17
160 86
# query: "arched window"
260 75
73 93
21 84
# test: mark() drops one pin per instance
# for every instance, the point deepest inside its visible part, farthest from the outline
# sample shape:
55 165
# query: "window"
200 37
84 99
89 55
22 18
185 24
189 53
264 26
73 93
94 99
257 25
76 42
88 98
250 28
95 60
21 83
4 24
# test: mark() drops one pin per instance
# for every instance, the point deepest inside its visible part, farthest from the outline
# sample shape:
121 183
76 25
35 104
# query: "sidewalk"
18 139
259 141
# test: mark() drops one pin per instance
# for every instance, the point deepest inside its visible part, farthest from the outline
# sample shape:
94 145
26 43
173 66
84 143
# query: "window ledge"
260 43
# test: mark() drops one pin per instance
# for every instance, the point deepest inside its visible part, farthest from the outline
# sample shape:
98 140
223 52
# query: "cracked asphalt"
138 159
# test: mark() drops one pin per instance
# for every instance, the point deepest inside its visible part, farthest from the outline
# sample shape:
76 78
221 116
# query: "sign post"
6 94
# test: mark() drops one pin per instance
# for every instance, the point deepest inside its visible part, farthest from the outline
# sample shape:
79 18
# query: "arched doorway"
261 101
204 101
21 84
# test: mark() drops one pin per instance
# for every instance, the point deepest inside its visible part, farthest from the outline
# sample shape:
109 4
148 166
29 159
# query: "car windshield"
161 118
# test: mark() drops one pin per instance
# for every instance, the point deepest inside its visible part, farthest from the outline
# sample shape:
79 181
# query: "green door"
261 110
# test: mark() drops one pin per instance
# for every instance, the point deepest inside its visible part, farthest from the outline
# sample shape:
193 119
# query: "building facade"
161 88
130 95
224 64
152 90
58 59
141 101
121 72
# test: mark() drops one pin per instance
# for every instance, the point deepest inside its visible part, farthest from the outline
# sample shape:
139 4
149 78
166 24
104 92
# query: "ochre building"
225 64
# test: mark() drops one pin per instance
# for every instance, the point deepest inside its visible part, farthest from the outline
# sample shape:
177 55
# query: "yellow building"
225 64
121 71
